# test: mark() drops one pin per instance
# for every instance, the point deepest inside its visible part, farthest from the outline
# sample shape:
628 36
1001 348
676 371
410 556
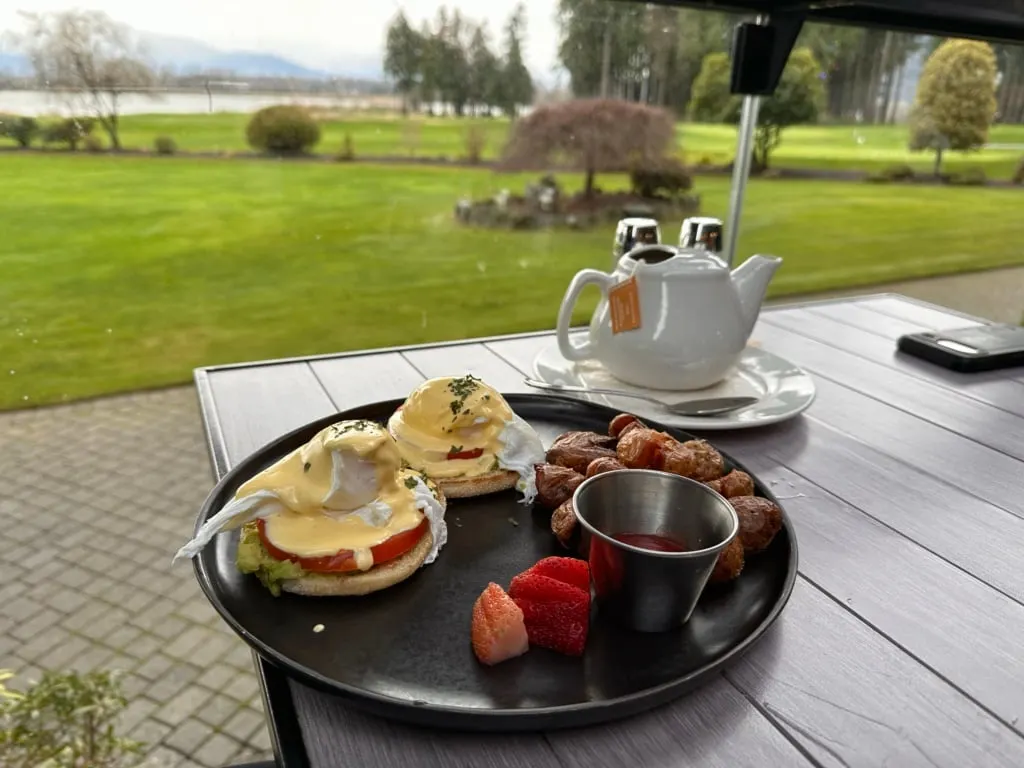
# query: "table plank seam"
324 387
923 470
917 375
1015 378
799 303
901 409
925 305
891 316
413 365
784 724
860 328
1006 724
554 752
893 529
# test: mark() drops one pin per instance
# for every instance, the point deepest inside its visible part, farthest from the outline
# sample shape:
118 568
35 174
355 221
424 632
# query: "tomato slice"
476 453
343 560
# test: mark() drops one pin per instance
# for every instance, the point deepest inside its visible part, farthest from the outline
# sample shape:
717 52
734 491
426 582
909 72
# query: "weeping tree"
591 135
956 99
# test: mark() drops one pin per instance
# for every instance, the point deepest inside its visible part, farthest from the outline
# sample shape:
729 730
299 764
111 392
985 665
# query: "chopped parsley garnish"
495 464
462 388
455 449
306 466
360 425
410 483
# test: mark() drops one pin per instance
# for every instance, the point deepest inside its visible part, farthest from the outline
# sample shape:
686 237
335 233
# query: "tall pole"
741 168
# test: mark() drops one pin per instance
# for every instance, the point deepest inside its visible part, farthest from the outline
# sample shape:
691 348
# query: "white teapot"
681 318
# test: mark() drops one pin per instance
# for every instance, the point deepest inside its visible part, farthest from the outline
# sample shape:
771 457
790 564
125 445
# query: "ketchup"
652 541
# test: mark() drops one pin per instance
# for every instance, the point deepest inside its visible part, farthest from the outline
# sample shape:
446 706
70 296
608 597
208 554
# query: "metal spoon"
709 407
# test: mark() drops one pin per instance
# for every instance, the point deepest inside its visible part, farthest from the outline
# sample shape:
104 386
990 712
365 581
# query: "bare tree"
90 55
593 135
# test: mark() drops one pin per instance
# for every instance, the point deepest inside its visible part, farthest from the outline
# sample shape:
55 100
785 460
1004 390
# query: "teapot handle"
569 350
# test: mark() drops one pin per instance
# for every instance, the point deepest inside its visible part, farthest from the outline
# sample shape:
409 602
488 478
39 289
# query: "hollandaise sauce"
343 490
450 427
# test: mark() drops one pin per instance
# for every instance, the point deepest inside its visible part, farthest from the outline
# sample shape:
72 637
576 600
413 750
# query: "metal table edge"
275 692
199 373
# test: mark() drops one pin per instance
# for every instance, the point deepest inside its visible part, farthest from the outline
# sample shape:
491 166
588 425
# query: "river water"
37 103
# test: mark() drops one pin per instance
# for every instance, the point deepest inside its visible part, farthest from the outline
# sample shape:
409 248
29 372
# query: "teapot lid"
672 260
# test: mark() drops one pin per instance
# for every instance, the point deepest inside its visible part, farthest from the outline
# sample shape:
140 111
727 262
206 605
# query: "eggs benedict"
337 516
463 435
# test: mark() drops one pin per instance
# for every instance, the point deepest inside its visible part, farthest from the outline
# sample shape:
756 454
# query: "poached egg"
343 490
463 428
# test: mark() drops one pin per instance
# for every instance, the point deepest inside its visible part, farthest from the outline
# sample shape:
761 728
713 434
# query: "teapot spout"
750 279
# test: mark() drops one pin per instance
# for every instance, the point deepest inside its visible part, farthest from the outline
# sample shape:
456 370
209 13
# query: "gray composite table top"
903 642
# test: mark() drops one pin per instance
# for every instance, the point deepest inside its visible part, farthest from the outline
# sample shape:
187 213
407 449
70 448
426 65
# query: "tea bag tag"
624 303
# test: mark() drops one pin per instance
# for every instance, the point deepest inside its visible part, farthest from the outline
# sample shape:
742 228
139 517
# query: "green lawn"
833 147
848 147
124 272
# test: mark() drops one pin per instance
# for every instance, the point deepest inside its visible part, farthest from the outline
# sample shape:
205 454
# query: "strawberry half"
498 631
557 614
568 569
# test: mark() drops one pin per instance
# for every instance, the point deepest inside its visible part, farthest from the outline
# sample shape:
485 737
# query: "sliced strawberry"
557 614
567 569
498 632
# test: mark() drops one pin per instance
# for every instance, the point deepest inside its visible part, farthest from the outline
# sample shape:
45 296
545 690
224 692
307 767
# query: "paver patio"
94 499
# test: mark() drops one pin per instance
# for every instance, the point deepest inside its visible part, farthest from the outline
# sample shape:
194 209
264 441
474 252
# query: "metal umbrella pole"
740 173
741 166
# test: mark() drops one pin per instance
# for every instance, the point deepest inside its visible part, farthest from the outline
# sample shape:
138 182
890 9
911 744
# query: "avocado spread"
253 558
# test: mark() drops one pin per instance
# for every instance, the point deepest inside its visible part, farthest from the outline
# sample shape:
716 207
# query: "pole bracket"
760 52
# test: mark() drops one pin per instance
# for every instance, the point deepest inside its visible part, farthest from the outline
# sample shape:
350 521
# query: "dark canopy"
996 20
760 52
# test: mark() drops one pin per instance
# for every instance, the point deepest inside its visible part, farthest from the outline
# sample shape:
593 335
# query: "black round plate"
404 653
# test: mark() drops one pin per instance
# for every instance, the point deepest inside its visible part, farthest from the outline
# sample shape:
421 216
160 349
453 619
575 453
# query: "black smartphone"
968 350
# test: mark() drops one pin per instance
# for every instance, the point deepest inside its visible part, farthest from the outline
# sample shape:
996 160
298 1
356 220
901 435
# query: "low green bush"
476 143
164 145
69 131
65 720
282 130
92 144
348 150
23 130
969 177
669 176
897 172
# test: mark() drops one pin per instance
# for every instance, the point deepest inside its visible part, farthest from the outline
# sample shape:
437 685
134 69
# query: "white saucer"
784 390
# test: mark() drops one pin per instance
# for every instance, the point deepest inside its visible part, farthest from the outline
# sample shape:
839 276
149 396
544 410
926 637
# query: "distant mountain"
14 65
185 56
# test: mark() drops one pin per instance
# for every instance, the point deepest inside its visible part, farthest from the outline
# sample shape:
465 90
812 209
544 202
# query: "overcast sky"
317 33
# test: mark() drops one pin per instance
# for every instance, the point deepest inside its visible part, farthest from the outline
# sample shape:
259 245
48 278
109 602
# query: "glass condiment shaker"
702 232
633 232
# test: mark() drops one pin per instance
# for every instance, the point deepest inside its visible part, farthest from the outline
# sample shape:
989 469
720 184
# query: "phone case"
968 350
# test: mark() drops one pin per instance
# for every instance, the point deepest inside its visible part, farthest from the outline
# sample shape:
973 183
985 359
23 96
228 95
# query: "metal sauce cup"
645 589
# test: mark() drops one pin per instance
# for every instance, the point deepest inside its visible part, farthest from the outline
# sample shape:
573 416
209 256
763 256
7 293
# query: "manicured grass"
849 147
846 147
371 135
124 272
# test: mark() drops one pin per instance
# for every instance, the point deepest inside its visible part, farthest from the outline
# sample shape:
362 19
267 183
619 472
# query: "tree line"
452 62
653 54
